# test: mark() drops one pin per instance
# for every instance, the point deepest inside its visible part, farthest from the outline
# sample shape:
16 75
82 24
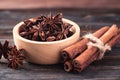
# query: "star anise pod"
46 28
15 58
4 49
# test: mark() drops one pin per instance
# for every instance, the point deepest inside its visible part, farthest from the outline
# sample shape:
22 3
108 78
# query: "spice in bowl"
50 28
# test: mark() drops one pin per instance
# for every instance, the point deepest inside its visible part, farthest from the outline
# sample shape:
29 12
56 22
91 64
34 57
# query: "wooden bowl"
45 52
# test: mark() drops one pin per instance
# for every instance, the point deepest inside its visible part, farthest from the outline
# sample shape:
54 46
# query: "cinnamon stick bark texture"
82 59
74 50
93 58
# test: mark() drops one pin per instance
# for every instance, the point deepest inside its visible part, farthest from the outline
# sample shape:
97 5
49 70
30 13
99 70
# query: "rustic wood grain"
89 20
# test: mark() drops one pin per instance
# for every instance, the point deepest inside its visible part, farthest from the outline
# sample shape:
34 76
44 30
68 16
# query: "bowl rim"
16 32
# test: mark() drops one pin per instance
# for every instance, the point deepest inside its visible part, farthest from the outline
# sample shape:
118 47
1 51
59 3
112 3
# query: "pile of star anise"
50 28
15 57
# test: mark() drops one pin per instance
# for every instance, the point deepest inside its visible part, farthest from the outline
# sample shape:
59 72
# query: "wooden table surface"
89 20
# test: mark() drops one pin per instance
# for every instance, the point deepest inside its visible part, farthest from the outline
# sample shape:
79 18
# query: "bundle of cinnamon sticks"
79 55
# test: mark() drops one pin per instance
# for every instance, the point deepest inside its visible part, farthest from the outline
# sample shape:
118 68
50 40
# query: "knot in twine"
94 41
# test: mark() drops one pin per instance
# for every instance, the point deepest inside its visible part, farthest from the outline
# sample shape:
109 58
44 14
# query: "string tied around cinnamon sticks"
96 42
79 55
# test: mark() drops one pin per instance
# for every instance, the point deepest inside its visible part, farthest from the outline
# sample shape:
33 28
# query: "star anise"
50 28
15 58
4 49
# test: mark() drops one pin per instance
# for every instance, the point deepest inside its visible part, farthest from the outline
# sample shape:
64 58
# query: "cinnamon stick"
74 50
68 66
93 58
111 43
80 45
91 51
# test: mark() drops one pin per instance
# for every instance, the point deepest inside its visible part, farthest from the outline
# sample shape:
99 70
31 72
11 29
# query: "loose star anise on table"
4 49
15 57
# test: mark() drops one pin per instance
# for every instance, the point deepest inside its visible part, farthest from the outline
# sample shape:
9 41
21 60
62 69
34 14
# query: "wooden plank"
28 4
92 17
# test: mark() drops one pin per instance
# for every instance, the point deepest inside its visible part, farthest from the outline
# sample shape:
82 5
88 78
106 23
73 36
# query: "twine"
96 42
